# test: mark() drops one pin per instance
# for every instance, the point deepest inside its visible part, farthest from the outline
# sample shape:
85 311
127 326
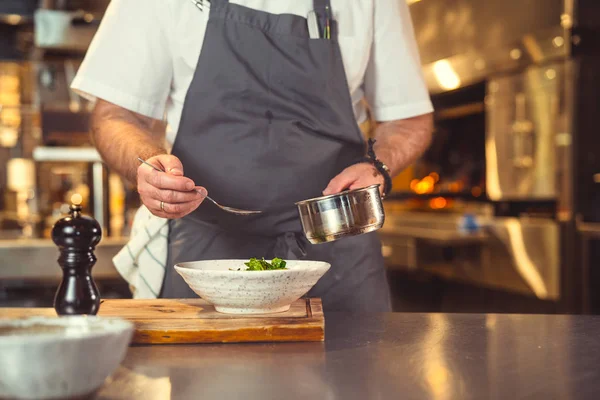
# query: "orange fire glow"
438 203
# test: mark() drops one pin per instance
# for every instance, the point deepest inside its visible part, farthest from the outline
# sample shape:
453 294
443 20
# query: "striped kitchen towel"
143 260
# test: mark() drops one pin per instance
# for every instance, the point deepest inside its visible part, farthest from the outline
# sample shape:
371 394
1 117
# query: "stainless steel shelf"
35 260
66 154
80 154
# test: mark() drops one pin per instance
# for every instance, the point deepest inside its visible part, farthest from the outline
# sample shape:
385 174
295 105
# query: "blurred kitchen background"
502 214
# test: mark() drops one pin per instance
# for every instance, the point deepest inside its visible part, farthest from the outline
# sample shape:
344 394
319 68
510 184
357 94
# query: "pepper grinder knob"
76 237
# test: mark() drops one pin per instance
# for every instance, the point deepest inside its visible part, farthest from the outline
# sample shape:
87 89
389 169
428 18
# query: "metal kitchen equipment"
224 208
349 213
525 75
67 26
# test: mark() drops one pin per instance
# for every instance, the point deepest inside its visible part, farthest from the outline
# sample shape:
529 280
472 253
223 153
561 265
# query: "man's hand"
180 196
355 177
399 144
121 136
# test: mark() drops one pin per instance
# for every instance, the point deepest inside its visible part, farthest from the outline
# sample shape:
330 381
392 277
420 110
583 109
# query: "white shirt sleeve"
128 62
394 84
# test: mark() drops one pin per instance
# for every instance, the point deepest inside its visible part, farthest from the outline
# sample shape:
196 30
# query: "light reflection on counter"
518 345
437 374
126 384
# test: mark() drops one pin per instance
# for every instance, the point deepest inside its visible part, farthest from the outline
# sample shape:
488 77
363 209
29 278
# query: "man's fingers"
168 194
340 182
169 164
176 197
357 185
172 211
171 179
167 181
356 176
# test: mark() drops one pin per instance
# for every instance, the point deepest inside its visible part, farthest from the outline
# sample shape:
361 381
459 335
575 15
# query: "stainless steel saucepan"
352 212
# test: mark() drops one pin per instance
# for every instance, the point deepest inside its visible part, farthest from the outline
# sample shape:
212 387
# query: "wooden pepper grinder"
76 237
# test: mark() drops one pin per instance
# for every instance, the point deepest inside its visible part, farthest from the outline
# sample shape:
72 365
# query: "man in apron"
267 121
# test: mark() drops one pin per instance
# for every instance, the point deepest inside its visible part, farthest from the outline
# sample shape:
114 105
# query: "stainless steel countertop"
382 356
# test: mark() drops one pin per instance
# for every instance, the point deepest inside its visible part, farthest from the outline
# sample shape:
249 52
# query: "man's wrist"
145 153
149 153
381 167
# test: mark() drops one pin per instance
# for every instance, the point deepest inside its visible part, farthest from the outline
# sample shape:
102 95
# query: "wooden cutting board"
196 321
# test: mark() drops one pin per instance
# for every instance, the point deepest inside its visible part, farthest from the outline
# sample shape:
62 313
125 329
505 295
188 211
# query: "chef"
262 100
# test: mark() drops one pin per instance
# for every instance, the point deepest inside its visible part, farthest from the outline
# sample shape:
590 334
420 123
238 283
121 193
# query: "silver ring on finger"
162 206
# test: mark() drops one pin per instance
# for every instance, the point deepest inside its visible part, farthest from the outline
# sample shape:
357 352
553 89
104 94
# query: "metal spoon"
224 208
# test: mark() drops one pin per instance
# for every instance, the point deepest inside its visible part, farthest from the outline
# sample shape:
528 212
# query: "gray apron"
267 122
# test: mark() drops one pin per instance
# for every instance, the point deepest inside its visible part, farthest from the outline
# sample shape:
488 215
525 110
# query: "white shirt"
145 52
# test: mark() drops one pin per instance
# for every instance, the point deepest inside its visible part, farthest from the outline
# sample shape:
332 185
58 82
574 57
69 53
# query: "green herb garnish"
278 263
261 265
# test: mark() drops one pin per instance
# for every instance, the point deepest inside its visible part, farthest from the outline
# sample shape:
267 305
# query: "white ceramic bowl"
66 357
250 292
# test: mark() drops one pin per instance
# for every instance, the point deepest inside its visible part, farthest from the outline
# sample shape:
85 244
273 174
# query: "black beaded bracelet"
381 167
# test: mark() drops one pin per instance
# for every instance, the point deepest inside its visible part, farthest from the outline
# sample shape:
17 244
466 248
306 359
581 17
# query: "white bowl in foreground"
250 292
66 357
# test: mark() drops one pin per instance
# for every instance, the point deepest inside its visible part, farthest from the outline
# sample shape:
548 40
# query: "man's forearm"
402 142
121 136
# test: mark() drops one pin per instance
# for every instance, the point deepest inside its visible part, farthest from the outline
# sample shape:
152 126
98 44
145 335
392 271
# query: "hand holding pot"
355 177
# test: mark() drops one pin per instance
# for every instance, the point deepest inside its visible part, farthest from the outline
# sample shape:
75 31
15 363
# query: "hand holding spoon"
224 208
